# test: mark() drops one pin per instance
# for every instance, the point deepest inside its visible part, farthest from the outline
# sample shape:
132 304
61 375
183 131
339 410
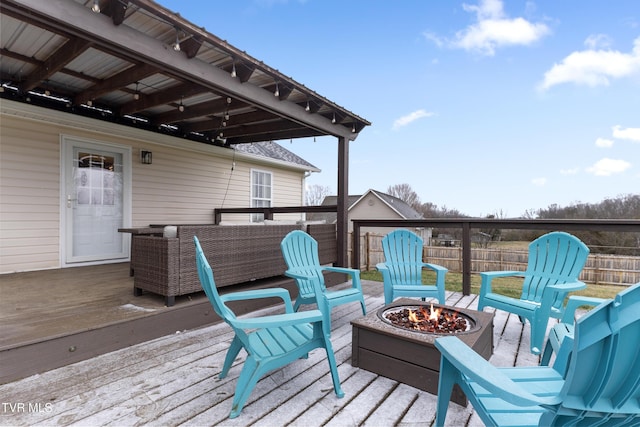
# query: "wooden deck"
172 380
53 318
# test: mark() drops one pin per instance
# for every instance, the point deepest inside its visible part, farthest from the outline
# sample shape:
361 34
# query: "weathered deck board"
173 381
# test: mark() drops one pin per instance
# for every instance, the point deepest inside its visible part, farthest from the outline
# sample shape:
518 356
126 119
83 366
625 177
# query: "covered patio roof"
136 63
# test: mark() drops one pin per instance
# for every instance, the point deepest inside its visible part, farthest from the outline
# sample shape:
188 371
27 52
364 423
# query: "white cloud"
492 30
540 182
626 133
411 117
593 67
607 167
572 171
604 143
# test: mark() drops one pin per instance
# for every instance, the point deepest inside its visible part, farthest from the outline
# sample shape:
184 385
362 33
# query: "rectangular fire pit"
410 357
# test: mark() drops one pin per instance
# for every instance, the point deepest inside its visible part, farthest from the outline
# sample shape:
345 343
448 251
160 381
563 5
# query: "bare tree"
405 193
315 194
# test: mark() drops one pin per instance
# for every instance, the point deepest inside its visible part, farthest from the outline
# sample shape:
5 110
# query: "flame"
435 314
412 316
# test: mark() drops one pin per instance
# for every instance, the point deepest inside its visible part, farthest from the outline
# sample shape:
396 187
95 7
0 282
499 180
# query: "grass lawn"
504 285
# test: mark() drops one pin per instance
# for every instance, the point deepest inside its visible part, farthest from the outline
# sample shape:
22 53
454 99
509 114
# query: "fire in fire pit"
428 319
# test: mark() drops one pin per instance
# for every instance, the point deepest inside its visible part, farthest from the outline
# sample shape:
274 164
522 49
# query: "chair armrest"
261 293
345 270
488 276
382 267
475 367
279 320
354 273
576 301
567 287
435 267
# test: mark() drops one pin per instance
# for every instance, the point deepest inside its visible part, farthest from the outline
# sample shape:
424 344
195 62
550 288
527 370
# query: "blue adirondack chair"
402 268
601 387
555 262
300 252
271 342
565 329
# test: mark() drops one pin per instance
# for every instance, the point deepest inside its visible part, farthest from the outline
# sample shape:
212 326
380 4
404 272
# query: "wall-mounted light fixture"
146 157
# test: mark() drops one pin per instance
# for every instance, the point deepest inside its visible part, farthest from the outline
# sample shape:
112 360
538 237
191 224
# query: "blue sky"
482 106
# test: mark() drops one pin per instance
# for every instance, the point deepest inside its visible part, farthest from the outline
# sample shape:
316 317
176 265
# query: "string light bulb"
353 128
176 45
277 92
307 108
233 71
136 95
333 120
181 106
96 6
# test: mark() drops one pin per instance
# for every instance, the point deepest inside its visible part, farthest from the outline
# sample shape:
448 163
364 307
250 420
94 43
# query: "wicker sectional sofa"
237 254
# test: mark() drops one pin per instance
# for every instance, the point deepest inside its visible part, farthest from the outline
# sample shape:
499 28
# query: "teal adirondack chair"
300 252
601 387
271 342
402 268
554 265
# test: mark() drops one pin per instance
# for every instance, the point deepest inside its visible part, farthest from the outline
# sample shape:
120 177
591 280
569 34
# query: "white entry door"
96 200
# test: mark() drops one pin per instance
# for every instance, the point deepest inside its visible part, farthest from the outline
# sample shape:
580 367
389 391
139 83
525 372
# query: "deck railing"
467 224
600 269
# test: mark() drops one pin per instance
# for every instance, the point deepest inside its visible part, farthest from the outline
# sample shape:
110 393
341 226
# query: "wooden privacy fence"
600 269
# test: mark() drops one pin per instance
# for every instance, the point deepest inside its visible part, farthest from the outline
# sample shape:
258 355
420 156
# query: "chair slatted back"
300 252
403 256
205 273
554 258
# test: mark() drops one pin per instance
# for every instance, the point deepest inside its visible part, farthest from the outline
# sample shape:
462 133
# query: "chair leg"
247 380
388 294
364 307
232 353
537 338
448 374
332 366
